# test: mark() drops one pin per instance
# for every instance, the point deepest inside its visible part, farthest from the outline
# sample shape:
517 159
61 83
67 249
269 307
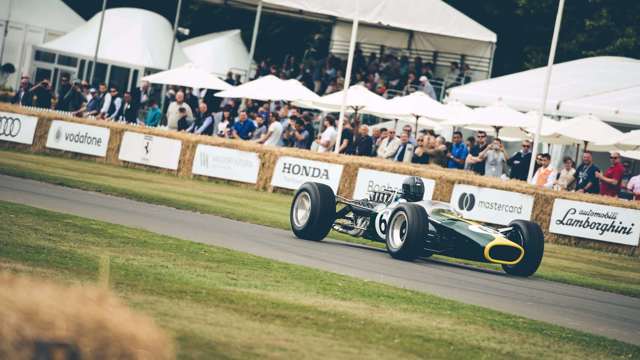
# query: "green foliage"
223 304
525 27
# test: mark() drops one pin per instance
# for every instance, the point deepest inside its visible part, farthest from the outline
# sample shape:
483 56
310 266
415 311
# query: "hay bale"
90 320
445 178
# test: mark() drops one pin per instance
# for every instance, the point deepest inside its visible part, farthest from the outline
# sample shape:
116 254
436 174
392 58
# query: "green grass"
219 303
583 267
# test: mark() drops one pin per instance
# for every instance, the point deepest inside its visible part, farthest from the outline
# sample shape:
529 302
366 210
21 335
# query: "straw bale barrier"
87 321
445 179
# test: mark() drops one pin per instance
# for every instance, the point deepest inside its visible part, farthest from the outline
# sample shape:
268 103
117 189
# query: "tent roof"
605 86
218 52
130 36
47 14
428 16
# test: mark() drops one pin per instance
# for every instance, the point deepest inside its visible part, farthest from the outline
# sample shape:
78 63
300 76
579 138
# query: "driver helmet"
413 189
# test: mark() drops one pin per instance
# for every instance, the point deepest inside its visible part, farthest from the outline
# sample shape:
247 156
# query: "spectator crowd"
278 124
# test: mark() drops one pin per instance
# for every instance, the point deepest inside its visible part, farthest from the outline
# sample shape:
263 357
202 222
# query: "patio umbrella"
358 98
417 105
190 76
267 88
583 129
455 111
626 141
498 116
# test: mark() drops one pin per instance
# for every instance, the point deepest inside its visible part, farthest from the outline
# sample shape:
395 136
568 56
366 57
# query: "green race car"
413 228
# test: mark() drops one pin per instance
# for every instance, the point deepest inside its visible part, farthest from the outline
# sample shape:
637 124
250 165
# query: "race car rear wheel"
313 211
528 235
408 225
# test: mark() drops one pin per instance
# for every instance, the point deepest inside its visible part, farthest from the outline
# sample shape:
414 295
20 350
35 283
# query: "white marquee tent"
28 23
218 52
423 26
607 87
134 42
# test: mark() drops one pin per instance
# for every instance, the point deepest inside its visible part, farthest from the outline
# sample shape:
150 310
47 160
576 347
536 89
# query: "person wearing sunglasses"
610 181
476 164
520 161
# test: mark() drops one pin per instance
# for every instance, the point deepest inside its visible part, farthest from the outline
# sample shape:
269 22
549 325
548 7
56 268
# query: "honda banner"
291 172
595 221
373 180
491 205
78 138
225 163
150 150
17 128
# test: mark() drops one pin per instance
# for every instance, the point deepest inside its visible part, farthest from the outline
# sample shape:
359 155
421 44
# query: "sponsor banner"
17 128
491 205
79 138
372 180
291 172
595 221
224 163
150 150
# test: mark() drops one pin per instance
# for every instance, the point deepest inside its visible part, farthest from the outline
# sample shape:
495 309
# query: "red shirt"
614 172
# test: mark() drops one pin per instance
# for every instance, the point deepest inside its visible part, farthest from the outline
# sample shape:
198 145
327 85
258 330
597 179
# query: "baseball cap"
423 78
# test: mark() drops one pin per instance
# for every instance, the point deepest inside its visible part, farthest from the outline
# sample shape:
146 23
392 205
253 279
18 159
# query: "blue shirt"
244 129
153 117
458 151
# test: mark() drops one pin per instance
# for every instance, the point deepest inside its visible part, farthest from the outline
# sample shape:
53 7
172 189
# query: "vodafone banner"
150 150
78 138
491 205
225 163
372 180
17 128
291 172
595 221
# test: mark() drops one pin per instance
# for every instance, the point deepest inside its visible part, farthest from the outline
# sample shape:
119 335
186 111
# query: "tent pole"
395 124
6 32
95 55
175 33
173 46
347 77
417 117
577 152
254 38
552 55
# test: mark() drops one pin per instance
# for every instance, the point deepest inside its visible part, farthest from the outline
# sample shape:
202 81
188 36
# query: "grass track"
593 269
218 303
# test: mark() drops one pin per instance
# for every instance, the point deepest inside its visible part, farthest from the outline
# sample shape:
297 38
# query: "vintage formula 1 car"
412 227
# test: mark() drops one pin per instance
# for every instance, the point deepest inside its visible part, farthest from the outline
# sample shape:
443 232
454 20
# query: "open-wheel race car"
413 228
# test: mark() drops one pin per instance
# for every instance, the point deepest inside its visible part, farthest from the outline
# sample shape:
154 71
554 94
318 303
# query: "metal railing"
440 60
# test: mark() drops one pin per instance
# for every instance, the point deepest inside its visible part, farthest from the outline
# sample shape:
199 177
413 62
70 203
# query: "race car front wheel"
408 225
313 211
528 235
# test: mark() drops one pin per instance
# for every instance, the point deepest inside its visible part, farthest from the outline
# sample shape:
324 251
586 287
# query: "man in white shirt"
427 88
274 132
106 99
329 136
389 146
545 175
173 115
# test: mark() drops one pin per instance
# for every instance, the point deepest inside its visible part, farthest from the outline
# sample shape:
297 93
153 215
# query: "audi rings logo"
466 201
10 126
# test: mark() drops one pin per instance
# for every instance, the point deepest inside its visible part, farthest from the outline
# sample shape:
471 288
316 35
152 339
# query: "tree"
525 27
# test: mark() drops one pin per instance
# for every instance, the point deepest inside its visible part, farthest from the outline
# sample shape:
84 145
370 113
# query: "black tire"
321 212
407 241
528 235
